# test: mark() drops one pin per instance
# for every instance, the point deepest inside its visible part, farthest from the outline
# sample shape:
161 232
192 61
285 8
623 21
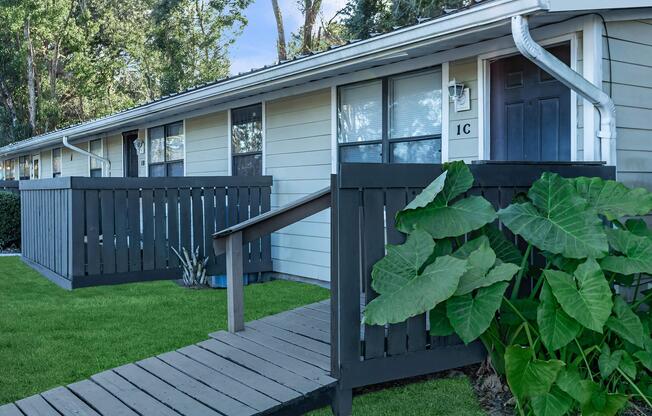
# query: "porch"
326 341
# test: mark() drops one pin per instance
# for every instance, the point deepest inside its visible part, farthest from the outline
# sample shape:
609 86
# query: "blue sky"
256 46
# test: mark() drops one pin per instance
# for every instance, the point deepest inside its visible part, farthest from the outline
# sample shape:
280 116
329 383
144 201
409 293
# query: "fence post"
234 284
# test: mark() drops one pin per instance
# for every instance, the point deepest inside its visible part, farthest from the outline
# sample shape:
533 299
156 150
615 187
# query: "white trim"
445 102
592 71
146 154
334 147
264 144
36 156
575 5
88 148
484 93
229 151
185 148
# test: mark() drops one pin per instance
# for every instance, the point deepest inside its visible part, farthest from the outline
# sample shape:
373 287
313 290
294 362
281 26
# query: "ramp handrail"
231 240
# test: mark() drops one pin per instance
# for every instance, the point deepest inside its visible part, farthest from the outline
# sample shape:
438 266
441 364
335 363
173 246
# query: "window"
392 120
56 162
24 167
10 169
36 162
96 165
247 140
166 150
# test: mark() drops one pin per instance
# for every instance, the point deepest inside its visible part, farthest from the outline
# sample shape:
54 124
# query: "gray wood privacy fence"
367 198
94 231
9 186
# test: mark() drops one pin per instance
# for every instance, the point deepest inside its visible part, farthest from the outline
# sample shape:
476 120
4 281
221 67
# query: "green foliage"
9 220
570 345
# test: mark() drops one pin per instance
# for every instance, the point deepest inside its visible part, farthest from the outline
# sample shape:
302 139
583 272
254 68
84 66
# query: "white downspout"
85 153
549 63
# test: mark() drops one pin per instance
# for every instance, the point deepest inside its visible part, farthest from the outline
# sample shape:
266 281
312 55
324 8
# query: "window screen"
415 105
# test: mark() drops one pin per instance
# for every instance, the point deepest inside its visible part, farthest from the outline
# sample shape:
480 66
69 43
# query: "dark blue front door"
530 111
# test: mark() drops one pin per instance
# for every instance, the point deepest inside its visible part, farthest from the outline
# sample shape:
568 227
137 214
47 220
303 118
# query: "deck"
279 364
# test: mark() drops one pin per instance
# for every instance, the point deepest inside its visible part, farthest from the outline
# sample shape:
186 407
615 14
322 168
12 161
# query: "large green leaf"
402 262
609 361
433 210
557 220
557 329
443 221
644 358
553 403
626 323
470 315
610 405
570 381
528 376
440 326
479 262
587 298
505 250
421 293
613 199
637 252
627 365
638 227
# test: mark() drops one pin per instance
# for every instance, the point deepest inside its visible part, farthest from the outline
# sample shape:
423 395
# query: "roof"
303 69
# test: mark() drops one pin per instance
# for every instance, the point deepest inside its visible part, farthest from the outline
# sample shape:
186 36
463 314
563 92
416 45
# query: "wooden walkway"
279 365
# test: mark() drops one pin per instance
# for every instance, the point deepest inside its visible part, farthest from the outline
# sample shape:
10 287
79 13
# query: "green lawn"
50 337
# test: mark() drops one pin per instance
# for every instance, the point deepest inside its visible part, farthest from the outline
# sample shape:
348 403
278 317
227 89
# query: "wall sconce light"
139 144
460 95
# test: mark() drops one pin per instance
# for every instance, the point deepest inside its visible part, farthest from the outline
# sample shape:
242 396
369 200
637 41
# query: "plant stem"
630 381
519 314
537 287
519 277
638 303
588 367
638 285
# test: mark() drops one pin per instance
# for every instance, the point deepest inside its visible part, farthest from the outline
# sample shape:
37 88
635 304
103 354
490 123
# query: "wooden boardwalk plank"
292 350
36 406
219 381
244 375
10 410
269 370
164 392
100 399
296 339
299 367
297 327
198 391
312 313
131 395
67 403
308 321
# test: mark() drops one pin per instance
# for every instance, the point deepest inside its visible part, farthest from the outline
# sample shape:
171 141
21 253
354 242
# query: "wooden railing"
93 231
366 198
232 240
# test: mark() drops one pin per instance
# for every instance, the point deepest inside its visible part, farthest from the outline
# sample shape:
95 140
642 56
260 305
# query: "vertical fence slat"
133 208
209 221
185 218
108 231
173 226
148 229
266 241
121 231
93 256
160 231
373 249
220 221
254 211
197 221
416 326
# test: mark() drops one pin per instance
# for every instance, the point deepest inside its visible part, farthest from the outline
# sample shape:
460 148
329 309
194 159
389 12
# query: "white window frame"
229 136
88 146
185 144
484 93
52 161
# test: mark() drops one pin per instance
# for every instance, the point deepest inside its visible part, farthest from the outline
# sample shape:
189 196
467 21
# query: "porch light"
460 95
455 90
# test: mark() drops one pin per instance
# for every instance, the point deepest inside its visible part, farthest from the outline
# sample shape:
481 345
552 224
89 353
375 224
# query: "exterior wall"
73 163
298 155
631 54
114 152
207 145
46 164
464 146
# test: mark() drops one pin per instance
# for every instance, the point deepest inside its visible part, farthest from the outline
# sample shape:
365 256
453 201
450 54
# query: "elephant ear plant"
576 337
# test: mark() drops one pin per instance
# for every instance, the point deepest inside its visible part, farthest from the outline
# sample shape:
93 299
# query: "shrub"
9 220
571 344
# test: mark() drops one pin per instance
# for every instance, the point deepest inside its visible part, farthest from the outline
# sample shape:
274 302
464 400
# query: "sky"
256 46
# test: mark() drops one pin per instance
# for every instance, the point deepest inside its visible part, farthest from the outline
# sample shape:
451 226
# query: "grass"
50 337
450 396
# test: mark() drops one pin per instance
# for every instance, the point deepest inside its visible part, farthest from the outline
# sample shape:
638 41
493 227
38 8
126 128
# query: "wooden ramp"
279 365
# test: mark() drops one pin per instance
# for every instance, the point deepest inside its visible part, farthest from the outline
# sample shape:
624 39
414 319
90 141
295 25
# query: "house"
455 87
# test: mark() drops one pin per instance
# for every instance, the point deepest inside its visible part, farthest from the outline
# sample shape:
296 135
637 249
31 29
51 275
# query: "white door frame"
484 93
36 157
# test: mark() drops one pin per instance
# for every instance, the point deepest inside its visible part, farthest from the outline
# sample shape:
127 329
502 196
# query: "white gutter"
549 63
85 153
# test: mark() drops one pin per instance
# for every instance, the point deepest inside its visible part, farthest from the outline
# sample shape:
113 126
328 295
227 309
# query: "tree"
280 43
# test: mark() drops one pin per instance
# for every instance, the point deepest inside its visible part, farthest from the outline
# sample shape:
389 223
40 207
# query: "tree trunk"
8 103
31 78
312 8
280 43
